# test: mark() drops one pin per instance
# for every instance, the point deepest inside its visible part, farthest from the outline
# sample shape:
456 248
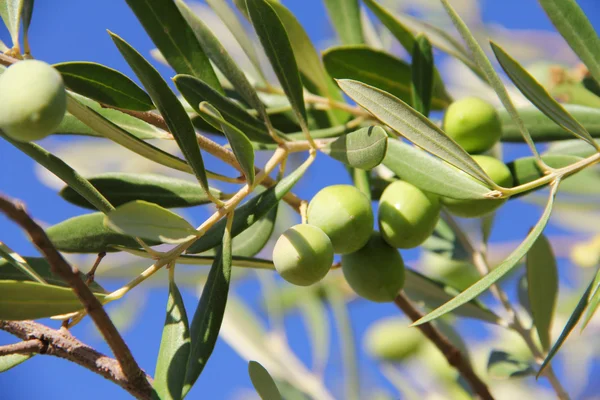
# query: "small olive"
303 255
33 100
499 173
473 123
344 213
376 271
392 340
407 215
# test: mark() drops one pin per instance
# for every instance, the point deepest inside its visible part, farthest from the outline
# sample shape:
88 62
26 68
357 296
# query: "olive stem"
452 354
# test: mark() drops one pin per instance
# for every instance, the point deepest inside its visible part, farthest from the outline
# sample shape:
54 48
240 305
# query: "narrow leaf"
174 352
26 14
120 188
536 93
573 25
542 284
175 39
11 11
148 220
251 241
168 105
12 360
422 75
20 263
211 308
414 126
397 29
345 17
104 84
364 148
430 173
263 382
594 301
499 271
240 144
502 365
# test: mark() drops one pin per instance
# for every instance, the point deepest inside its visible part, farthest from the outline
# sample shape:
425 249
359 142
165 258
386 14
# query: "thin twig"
91 275
452 354
16 212
40 339
24 347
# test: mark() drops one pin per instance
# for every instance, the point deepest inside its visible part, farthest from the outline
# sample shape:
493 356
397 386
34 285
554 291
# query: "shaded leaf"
251 241
414 126
594 301
345 17
122 187
542 284
175 343
422 75
364 148
148 220
167 103
536 93
19 263
502 365
525 169
104 84
87 234
500 270
263 382
26 14
430 173
175 39
379 69
12 360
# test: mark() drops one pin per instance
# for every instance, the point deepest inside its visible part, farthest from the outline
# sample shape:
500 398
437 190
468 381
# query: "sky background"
75 30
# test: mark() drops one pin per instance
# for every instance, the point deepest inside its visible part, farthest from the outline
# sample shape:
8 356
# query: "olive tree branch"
59 266
452 354
40 339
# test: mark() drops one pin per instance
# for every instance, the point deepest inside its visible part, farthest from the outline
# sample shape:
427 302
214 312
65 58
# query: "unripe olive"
392 340
33 100
499 173
473 123
376 271
303 255
344 213
407 215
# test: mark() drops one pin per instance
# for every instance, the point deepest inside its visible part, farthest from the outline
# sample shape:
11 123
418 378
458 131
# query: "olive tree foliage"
265 109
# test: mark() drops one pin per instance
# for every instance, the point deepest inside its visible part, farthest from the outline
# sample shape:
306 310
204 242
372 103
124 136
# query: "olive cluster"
340 219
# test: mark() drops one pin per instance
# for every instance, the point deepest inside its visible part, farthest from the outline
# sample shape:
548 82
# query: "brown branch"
40 339
24 347
60 267
452 354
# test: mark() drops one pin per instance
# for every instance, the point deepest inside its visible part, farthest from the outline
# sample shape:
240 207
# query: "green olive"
499 173
376 271
392 340
473 123
344 213
407 215
33 99
303 255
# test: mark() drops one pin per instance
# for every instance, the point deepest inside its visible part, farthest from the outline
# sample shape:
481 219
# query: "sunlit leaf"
10 361
345 17
19 262
422 75
594 301
503 365
11 11
263 382
104 84
364 148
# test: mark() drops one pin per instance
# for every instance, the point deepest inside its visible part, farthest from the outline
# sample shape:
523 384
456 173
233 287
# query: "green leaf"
87 234
167 103
63 171
573 147
121 187
491 76
144 219
422 75
543 129
503 365
277 46
20 263
105 85
239 142
251 241
412 125
263 382
573 25
26 14
11 11
364 148
379 69
345 17
175 344
572 321
175 39
430 173
195 92
594 301
398 30
249 213
12 360
23 300
542 284
499 271
539 96
230 19
209 313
